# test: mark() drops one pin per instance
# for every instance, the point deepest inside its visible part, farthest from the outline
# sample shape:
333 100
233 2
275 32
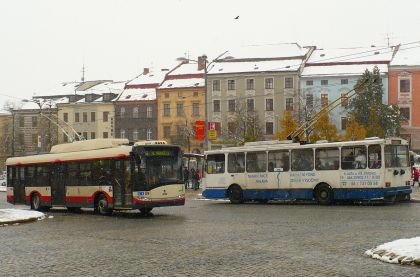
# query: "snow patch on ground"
15 215
402 251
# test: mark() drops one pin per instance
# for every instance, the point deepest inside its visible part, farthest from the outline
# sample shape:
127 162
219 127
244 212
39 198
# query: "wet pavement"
211 238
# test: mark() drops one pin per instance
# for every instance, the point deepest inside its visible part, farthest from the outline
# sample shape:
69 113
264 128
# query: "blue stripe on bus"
339 194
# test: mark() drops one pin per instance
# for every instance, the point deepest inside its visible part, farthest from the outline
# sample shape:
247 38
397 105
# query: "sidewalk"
415 195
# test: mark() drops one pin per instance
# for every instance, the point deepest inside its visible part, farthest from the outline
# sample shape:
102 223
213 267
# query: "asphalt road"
211 238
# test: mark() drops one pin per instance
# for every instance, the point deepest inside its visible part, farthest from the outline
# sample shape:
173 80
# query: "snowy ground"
402 251
12 216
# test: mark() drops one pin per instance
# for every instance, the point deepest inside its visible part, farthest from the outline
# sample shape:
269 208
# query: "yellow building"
6 136
180 100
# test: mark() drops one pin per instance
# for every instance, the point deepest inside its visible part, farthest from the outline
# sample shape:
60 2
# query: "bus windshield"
396 156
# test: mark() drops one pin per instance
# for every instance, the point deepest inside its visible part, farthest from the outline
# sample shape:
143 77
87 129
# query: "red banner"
199 130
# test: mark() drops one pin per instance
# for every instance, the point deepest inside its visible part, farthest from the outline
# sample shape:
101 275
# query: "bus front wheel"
35 202
103 206
323 194
236 195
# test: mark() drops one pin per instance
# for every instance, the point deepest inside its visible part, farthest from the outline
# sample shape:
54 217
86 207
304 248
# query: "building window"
149 112
216 106
250 84
105 116
92 135
92 116
122 112
166 131
405 111
231 85
288 82
85 135
216 85
34 121
344 121
344 81
231 105
250 105
180 109
135 112
289 104
310 101
166 109
105 135
195 94
405 85
309 82
179 94
269 128
135 135
324 99
85 117
324 82
269 104
21 121
122 133
65 117
269 83
76 117
149 134
166 95
196 109
344 100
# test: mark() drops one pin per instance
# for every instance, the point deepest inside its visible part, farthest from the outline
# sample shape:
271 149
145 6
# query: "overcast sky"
44 43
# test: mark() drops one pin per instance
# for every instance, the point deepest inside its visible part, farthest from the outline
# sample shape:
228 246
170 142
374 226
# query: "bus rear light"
387 184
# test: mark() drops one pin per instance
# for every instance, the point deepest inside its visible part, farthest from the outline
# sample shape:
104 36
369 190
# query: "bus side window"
327 159
31 175
256 161
375 159
73 174
302 159
85 174
278 159
236 162
215 163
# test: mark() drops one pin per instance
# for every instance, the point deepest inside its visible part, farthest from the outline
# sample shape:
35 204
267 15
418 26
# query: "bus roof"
85 145
274 146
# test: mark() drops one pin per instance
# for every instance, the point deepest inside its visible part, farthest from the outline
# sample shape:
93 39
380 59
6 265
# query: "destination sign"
154 153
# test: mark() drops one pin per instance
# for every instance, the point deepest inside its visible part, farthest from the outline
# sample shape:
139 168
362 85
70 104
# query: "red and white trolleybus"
104 174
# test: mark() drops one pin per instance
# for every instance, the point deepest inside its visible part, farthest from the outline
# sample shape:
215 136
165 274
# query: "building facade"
330 73
180 102
257 83
404 91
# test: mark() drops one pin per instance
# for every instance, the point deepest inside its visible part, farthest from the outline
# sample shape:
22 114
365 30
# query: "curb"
11 222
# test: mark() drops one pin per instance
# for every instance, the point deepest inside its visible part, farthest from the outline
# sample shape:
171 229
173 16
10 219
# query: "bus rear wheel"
103 206
35 202
323 194
236 195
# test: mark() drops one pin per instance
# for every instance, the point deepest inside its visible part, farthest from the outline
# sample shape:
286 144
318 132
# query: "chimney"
201 62
145 71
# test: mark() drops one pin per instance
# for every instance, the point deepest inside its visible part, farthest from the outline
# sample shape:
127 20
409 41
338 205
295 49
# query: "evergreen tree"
380 120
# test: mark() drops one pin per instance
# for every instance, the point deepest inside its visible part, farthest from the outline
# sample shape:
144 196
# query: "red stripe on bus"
119 156
88 199
41 197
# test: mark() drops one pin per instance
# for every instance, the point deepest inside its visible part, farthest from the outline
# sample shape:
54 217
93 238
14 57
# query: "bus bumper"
158 203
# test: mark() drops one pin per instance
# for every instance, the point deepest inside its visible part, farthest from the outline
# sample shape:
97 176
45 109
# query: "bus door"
19 185
236 169
279 169
58 180
122 192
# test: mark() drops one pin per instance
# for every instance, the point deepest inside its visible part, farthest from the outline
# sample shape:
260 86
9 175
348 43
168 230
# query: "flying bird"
237 17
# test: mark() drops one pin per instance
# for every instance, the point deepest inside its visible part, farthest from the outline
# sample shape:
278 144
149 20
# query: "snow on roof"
183 83
106 87
281 50
36 104
408 55
357 54
341 70
137 94
153 77
186 68
63 88
254 66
